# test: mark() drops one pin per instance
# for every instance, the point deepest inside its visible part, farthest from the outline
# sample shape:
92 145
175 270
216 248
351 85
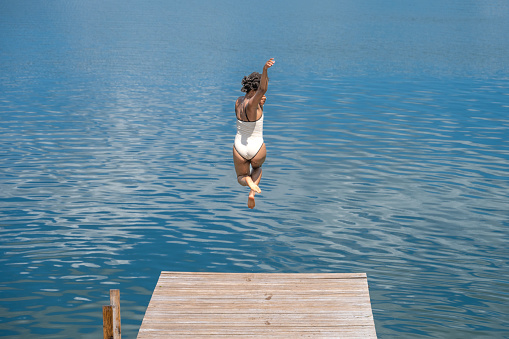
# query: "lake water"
386 126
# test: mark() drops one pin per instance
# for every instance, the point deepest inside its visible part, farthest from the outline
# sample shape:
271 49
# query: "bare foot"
251 200
255 188
252 185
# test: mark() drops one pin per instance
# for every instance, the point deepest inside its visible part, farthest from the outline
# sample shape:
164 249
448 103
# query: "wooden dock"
270 305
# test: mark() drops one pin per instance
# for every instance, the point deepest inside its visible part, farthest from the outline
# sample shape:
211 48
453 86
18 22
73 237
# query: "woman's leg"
256 174
242 168
259 158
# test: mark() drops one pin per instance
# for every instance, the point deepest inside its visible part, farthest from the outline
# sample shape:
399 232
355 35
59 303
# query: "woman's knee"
257 163
242 180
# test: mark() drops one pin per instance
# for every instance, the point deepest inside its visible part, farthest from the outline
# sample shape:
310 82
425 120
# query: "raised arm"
252 105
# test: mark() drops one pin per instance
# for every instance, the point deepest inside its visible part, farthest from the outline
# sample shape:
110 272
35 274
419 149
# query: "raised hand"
269 64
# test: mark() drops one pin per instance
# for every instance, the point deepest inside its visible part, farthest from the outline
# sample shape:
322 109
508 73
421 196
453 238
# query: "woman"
249 149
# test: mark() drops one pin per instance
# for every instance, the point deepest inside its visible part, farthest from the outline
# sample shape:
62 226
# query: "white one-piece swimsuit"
249 138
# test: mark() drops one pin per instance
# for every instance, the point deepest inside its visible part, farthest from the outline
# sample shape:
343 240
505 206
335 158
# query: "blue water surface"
386 125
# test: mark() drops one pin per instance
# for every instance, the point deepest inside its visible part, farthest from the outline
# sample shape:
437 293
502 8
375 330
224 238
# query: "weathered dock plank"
274 305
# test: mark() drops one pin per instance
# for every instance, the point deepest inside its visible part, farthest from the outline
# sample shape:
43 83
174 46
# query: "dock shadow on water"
387 154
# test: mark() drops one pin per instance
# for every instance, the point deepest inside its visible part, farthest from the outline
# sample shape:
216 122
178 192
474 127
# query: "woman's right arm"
252 106
264 82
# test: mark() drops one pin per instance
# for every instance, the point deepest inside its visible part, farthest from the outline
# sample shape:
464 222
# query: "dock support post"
115 302
108 322
111 317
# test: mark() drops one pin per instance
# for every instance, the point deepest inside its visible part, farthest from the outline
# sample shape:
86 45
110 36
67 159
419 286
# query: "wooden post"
115 303
107 322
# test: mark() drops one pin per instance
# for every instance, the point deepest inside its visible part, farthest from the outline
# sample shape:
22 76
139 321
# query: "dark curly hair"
251 82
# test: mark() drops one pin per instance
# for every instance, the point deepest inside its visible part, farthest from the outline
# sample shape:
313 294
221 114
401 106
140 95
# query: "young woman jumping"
249 150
